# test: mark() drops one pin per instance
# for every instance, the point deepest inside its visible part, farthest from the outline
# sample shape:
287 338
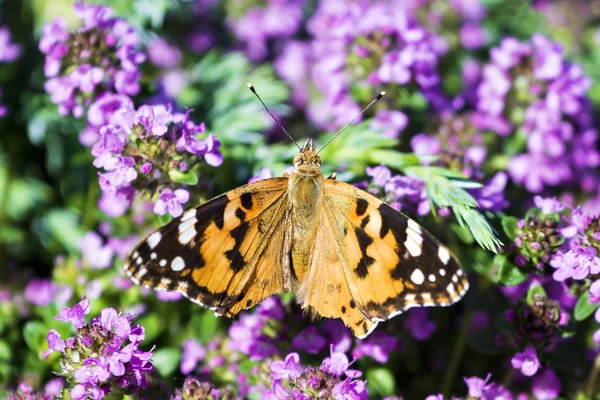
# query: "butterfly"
342 251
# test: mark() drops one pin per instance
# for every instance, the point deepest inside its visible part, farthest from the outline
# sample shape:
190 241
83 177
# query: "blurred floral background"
116 117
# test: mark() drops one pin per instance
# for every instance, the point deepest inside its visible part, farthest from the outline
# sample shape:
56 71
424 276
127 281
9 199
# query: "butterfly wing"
324 290
227 254
390 263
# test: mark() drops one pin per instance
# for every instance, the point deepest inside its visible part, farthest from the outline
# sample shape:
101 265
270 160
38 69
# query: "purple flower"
39 291
546 385
193 353
76 314
103 109
8 51
103 354
491 196
103 57
527 361
577 263
95 252
55 343
154 119
378 345
548 205
336 364
247 337
162 54
423 144
170 201
264 173
418 324
477 386
290 368
472 36
337 335
272 308
390 122
277 20
168 296
309 340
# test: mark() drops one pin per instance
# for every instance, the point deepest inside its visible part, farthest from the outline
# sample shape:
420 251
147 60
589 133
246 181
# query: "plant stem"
591 383
457 355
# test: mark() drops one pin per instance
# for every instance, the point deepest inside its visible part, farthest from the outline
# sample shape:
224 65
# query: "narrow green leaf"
188 178
583 308
166 360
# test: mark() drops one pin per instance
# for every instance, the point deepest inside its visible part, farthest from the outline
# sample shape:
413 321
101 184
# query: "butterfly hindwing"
324 289
391 263
226 254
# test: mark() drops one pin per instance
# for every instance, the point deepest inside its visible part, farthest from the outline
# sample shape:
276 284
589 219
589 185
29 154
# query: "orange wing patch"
392 264
212 252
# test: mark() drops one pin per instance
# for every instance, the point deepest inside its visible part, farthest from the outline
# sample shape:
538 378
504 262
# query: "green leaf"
203 326
583 308
166 360
153 325
445 188
188 178
381 382
164 219
509 224
508 273
479 226
534 293
34 333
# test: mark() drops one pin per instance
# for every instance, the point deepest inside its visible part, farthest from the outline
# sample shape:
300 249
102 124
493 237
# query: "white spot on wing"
444 255
135 254
414 226
442 272
153 256
187 224
417 277
432 278
138 260
177 264
187 236
414 240
188 214
141 273
162 262
154 239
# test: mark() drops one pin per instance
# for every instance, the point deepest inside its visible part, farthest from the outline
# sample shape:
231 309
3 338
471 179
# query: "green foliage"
381 382
445 192
508 273
583 307
166 360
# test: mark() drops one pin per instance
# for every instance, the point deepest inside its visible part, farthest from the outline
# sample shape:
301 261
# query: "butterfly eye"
299 159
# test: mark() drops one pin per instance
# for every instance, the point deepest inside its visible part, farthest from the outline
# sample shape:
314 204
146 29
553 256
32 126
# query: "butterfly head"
307 161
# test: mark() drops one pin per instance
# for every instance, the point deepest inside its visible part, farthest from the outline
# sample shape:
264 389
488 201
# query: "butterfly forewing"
224 254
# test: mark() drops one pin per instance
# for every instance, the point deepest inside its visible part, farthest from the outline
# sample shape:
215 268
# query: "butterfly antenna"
379 96
272 116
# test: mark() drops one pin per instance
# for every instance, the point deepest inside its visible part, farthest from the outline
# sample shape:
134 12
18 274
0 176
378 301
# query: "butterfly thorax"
305 193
